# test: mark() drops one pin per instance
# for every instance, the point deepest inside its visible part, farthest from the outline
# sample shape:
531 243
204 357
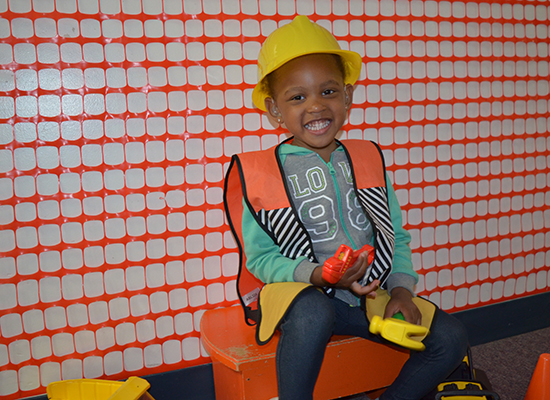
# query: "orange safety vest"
258 178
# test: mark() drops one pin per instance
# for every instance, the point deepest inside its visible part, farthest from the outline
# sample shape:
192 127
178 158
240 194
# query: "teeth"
317 125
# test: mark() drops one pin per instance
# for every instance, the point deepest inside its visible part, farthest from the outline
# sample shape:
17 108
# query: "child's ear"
272 109
348 92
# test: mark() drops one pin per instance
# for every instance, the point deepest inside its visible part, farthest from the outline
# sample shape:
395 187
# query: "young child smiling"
292 206
310 98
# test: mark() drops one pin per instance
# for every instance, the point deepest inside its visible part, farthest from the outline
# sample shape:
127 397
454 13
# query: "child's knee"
450 335
459 333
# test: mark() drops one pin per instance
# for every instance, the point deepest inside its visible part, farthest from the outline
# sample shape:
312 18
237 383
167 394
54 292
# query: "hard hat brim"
352 64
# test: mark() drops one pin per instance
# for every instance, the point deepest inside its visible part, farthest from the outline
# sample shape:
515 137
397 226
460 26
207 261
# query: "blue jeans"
314 318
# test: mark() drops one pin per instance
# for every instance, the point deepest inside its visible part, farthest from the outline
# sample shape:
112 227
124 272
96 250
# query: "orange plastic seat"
245 371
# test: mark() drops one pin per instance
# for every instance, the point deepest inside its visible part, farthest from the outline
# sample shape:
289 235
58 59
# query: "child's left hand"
350 278
401 301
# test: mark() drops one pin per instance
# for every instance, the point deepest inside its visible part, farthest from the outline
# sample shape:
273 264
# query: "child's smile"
311 99
318 125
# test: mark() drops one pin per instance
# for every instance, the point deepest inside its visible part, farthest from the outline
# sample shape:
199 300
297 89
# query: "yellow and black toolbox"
464 384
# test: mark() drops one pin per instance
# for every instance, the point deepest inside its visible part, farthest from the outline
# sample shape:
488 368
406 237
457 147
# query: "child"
292 206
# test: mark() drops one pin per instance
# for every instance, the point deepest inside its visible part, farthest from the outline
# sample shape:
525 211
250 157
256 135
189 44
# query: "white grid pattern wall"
117 121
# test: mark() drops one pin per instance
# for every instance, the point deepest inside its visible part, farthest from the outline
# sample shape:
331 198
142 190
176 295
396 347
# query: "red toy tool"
335 266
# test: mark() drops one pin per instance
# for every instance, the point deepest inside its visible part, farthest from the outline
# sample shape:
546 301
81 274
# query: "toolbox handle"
473 393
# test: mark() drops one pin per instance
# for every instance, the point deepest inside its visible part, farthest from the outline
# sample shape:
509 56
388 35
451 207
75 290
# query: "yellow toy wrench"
398 331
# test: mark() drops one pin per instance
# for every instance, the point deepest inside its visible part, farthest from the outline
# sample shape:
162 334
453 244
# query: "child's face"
311 99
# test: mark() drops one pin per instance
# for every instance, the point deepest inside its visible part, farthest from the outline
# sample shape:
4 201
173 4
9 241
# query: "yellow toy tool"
98 389
398 331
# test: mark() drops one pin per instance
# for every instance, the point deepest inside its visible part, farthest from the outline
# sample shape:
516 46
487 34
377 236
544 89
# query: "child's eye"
298 97
328 91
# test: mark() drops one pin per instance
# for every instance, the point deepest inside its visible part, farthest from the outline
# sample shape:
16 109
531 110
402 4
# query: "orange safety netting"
117 120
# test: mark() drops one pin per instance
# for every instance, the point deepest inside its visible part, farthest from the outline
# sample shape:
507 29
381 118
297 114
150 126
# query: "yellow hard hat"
298 38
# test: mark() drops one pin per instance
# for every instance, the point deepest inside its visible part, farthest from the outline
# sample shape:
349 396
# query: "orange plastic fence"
117 119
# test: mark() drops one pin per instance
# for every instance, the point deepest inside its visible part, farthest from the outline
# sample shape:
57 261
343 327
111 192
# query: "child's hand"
401 301
354 274
350 278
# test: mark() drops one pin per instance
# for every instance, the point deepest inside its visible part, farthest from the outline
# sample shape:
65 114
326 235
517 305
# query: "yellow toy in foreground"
398 332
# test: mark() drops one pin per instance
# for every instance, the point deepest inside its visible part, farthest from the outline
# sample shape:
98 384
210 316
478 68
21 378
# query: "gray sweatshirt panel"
323 195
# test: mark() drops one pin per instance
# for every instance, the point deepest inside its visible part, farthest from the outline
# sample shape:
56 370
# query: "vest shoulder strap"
367 174
262 175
